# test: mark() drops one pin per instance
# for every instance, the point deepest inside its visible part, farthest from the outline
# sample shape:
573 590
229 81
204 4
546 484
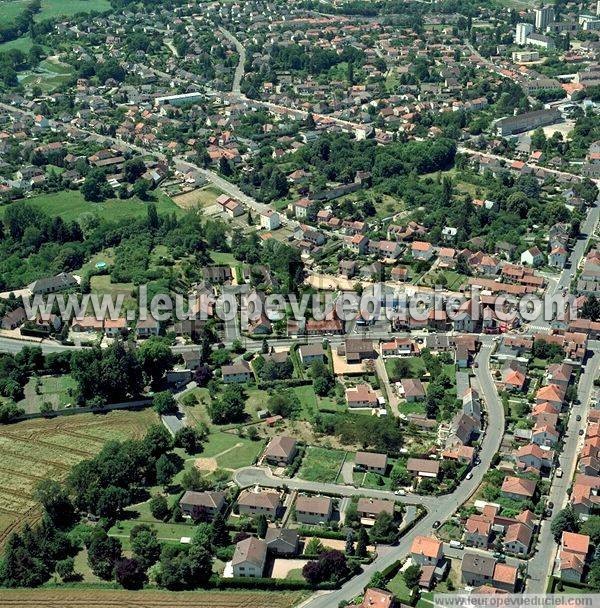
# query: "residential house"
259 503
147 327
282 541
14 318
370 508
281 451
478 529
533 456
202 505
532 257
423 467
361 396
517 488
237 372
574 549
270 220
249 558
358 349
517 539
412 389
476 569
426 551
422 250
311 352
313 509
370 461
60 282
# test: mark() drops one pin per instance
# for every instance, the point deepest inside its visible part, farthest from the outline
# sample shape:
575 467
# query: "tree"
176 572
189 439
564 521
591 527
141 188
412 576
362 543
164 403
192 479
331 566
314 546
350 543
65 568
201 563
145 545
129 573
155 357
133 169
159 507
220 534
56 502
95 188
591 308
20 568
261 526
157 440
103 552
165 470
384 529
229 407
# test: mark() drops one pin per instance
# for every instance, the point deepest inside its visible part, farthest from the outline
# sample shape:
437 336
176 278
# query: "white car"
469 475
400 492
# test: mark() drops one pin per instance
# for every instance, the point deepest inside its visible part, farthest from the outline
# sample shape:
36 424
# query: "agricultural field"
105 598
321 464
70 205
37 449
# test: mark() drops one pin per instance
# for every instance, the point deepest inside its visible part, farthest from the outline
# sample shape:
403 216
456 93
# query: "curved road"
439 508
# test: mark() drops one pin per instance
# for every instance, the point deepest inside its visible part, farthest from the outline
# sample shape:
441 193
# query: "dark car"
581 431
550 505
436 524
578 418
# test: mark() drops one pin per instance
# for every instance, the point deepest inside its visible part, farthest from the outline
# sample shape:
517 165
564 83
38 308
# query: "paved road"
541 563
439 508
239 70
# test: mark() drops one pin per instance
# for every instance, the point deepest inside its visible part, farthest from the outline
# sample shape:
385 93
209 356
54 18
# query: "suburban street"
439 508
540 565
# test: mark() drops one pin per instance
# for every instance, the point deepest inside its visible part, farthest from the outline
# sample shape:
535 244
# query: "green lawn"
141 514
416 366
311 403
321 464
376 482
398 587
453 280
240 452
416 407
10 9
70 205
225 259
56 390
21 44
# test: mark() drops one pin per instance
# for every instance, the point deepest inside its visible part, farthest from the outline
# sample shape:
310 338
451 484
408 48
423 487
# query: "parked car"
581 432
578 418
456 544
400 492
559 472
469 475
436 524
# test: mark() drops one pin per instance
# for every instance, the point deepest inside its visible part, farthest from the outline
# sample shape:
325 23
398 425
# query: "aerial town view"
299 303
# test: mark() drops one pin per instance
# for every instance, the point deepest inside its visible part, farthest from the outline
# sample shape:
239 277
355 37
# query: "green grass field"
321 464
9 9
416 365
70 205
21 44
56 390
231 451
